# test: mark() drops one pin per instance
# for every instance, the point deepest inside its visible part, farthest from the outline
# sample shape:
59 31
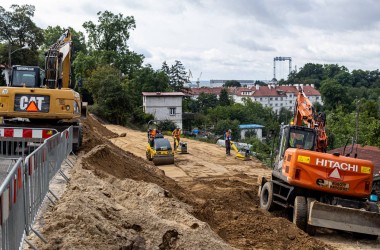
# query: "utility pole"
357 120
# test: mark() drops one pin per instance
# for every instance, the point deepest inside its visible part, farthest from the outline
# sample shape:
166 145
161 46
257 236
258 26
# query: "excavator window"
300 138
25 76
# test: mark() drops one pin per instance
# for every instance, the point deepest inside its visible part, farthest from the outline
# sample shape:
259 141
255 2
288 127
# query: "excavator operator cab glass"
301 138
26 76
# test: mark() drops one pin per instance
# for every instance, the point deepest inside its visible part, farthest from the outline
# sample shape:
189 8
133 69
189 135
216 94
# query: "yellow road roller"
160 152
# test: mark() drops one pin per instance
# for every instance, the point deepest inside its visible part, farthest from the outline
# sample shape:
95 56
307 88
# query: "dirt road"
118 200
203 161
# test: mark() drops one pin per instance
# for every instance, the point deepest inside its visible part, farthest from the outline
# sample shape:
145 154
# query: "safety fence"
41 153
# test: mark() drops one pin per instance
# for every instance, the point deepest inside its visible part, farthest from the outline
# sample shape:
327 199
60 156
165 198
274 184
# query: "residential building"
164 106
273 96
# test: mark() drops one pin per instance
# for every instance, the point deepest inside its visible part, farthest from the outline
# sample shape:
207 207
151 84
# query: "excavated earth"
118 200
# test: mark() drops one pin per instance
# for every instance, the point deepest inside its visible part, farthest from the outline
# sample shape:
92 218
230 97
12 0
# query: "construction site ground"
116 199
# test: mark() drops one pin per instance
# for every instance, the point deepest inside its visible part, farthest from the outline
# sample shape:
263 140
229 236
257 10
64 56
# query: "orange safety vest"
153 133
176 133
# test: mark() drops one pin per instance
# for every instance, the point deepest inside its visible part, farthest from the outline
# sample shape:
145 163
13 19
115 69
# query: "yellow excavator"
243 154
38 98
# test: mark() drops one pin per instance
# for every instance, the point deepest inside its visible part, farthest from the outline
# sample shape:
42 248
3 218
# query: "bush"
167 125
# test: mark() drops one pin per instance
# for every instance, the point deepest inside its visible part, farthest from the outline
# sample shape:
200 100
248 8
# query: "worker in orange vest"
152 134
176 136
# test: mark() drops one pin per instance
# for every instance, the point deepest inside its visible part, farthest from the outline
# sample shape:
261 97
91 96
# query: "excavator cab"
292 136
27 76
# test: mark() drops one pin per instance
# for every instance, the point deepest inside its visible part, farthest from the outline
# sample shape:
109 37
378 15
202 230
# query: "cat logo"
25 102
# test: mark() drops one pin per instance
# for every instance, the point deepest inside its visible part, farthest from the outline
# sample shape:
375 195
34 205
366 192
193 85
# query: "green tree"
231 83
111 101
224 99
165 68
285 116
207 101
17 29
103 75
334 94
112 32
145 79
177 76
332 70
223 125
109 39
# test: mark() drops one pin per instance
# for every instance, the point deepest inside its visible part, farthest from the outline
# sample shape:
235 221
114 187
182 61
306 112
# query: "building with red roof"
273 96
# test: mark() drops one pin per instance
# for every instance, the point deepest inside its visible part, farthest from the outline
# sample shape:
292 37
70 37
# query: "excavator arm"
58 62
305 114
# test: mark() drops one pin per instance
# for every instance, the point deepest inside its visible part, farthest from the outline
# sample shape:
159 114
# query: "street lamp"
11 52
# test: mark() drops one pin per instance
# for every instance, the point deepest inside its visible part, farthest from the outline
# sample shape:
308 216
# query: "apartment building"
273 96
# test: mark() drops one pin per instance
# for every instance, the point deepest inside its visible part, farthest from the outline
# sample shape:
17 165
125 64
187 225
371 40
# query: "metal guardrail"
27 178
12 207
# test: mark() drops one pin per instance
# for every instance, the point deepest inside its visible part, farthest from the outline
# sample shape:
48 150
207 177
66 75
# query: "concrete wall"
162 107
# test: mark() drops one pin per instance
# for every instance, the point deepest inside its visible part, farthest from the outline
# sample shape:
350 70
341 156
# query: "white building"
164 106
273 96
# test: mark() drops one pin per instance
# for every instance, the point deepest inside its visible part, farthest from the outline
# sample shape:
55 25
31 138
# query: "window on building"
261 98
317 97
290 101
276 105
275 98
172 111
271 98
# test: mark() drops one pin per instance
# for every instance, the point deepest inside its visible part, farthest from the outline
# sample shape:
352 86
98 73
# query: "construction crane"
189 76
198 79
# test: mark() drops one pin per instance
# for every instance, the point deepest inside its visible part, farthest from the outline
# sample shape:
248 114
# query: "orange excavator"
324 190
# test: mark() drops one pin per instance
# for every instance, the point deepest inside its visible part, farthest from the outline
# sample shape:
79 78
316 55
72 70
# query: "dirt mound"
94 133
106 159
231 209
109 213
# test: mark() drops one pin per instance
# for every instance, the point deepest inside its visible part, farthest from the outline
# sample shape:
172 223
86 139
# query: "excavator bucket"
343 218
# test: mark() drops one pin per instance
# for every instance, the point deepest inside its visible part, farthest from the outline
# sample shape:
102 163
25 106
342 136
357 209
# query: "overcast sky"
237 39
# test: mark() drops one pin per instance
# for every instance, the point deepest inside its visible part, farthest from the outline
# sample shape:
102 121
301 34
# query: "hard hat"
229 130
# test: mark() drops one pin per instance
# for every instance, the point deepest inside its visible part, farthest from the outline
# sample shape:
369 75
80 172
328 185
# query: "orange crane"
324 190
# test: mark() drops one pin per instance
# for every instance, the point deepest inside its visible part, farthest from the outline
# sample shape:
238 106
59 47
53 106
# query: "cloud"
236 39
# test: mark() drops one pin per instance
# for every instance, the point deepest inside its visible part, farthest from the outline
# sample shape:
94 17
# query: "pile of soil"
116 200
